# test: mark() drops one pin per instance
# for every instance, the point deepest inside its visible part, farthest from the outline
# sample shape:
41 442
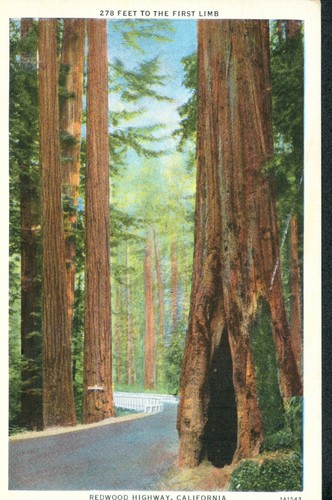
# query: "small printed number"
106 13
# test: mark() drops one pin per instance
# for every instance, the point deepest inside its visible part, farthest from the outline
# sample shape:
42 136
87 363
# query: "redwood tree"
97 390
72 63
150 336
58 400
236 244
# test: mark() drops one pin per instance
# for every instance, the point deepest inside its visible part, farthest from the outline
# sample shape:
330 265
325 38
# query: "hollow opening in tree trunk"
220 435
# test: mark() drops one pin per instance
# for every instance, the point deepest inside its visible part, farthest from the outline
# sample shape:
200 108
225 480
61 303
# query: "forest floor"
205 477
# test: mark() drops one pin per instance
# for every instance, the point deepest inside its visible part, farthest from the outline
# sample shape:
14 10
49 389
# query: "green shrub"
266 369
283 473
290 437
294 420
281 440
245 477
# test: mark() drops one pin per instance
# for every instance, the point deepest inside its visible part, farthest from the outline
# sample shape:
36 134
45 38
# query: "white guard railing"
148 403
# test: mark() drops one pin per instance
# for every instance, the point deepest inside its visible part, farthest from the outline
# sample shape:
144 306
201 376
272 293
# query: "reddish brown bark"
150 336
295 298
97 389
236 234
185 282
58 400
70 124
293 28
31 397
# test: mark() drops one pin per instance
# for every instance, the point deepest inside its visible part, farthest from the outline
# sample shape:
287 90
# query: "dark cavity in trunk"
221 429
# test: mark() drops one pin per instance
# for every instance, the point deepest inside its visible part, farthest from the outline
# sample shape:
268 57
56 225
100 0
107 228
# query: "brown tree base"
190 450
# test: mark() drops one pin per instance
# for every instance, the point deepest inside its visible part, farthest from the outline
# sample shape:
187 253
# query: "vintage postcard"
161 298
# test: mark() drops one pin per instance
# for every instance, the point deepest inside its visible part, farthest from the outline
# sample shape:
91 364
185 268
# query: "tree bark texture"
293 28
150 336
236 234
185 282
295 298
97 390
58 400
72 60
31 397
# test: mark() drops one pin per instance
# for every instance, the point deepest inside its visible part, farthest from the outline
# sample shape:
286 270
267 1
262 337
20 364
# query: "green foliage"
294 420
173 359
136 33
131 87
245 477
189 110
78 343
284 473
136 84
281 440
279 473
139 388
122 412
14 346
23 123
290 437
287 78
266 370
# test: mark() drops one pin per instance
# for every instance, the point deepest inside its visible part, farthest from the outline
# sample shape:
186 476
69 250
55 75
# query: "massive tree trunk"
236 242
72 61
31 397
150 336
97 390
58 400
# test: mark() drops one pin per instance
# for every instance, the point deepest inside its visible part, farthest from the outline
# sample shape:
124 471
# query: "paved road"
126 455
